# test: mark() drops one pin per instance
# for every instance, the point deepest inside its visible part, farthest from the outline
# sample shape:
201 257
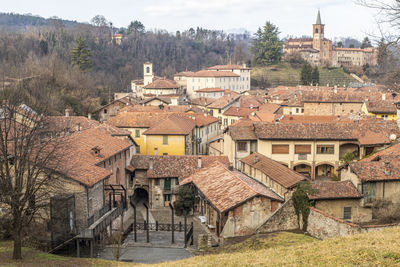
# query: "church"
319 51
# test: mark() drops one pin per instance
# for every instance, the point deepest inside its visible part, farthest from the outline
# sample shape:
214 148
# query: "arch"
140 195
316 30
118 176
147 69
325 171
349 147
303 168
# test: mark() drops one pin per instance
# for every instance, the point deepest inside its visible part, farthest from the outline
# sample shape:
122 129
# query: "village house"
158 101
340 199
105 112
219 106
233 203
312 149
93 163
272 174
210 93
156 179
215 147
233 114
162 87
384 109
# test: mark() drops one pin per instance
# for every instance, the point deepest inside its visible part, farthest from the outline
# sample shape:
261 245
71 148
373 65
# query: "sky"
342 18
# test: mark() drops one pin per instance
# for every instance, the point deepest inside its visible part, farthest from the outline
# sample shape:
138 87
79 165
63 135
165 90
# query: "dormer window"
96 150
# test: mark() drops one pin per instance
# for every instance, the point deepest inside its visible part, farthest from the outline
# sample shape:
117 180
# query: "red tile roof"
174 166
228 67
227 189
274 170
80 162
162 84
224 101
381 106
201 101
269 108
172 125
238 112
334 190
137 119
210 90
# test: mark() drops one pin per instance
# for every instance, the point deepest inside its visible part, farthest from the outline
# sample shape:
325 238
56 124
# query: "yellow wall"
176 145
140 141
389 116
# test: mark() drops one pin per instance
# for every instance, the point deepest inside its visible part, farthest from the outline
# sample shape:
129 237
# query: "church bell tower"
318 33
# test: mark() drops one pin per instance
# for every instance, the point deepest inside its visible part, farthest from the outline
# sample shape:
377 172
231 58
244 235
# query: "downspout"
87 202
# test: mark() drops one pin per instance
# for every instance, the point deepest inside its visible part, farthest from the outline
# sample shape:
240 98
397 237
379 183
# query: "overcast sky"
342 18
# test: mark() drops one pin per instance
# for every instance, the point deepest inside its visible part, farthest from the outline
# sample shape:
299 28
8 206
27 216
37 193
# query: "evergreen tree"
185 200
306 76
136 27
340 44
382 55
365 43
266 47
301 202
351 46
315 76
80 55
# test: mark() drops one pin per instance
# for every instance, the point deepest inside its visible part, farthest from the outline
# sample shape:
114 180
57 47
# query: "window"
385 117
105 111
369 192
330 149
156 181
280 149
165 140
137 133
347 213
242 146
147 69
167 184
302 149
176 181
165 154
297 110
155 151
225 121
232 121
302 110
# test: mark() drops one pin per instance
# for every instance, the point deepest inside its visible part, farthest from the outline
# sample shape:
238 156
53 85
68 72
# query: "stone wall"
283 219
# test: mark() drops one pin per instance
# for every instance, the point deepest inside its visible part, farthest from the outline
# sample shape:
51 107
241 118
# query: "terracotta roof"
124 101
300 39
307 119
172 125
250 101
173 166
184 73
73 124
242 129
334 190
210 90
352 49
201 101
163 108
382 106
202 119
264 117
238 112
81 162
223 101
211 73
228 67
162 84
257 92
227 189
166 100
137 119
274 170
269 108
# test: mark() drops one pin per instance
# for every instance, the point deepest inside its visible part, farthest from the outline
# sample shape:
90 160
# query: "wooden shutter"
280 149
302 149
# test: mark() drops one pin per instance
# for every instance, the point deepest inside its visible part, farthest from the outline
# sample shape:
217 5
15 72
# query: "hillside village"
205 158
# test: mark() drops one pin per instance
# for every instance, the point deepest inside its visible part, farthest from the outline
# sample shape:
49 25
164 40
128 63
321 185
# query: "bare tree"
28 163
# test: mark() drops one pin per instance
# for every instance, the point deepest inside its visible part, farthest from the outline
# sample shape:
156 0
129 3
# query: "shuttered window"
302 149
280 149
329 149
347 213
242 146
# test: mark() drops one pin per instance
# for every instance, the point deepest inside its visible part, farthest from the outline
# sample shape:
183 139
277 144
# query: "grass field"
281 249
283 74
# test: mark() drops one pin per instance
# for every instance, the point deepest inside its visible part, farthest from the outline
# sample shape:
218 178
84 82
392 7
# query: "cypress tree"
80 55
315 76
306 74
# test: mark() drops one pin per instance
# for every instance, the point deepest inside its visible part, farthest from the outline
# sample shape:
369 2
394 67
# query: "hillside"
18 21
282 249
283 74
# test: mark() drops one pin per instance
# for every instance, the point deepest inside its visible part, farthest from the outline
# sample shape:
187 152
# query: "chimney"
67 112
335 90
89 115
387 168
151 163
383 96
78 127
199 163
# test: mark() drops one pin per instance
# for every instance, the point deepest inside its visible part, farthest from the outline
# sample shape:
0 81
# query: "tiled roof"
209 90
174 166
211 73
228 67
274 170
172 125
265 117
224 101
367 132
352 49
201 101
300 40
227 189
334 190
202 119
80 162
166 100
124 101
238 112
137 119
307 119
269 108
250 101
162 84
382 106
184 73
72 124
163 108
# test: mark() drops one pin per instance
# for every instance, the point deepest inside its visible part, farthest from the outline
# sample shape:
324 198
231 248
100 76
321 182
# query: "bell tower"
318 33
147 73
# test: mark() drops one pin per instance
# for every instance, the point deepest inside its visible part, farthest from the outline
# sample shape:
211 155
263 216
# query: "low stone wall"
283 219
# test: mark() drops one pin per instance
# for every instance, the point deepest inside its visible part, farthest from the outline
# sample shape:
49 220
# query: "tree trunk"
17 244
